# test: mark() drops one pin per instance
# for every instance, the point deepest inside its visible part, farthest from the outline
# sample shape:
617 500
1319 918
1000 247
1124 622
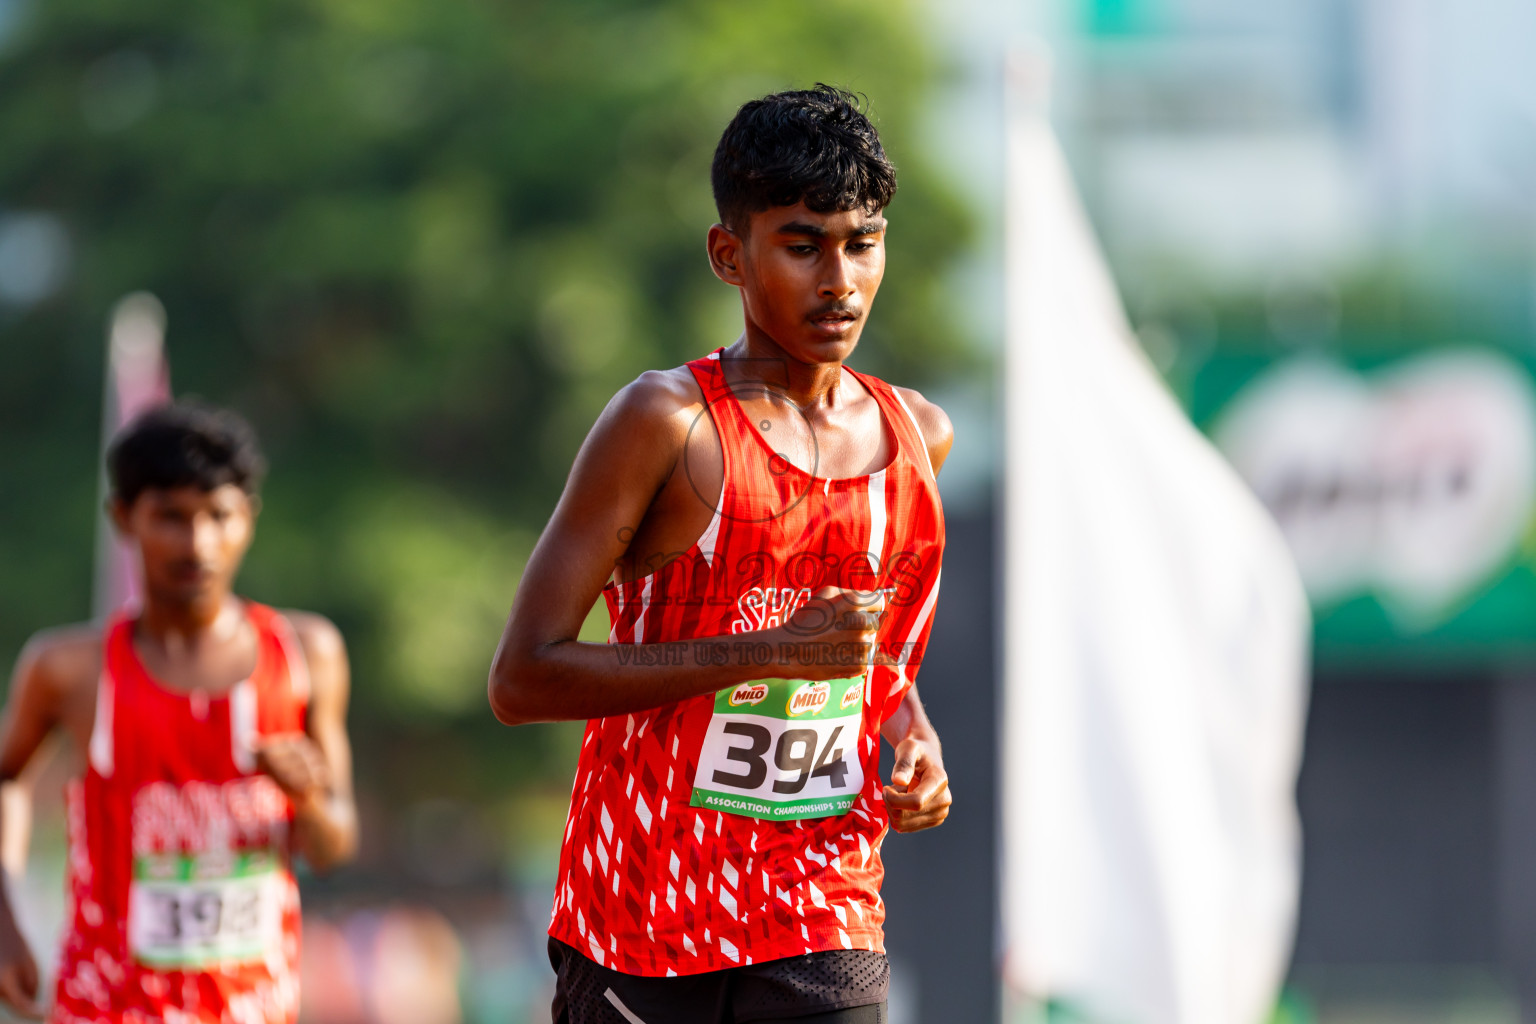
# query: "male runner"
749 517
211 736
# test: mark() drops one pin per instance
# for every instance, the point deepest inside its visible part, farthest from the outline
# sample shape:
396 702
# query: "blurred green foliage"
420 245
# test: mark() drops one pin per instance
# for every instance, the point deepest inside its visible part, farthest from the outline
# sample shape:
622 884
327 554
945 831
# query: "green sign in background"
1493 624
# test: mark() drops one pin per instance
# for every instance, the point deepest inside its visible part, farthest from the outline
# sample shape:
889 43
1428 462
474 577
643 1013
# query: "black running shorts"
835 987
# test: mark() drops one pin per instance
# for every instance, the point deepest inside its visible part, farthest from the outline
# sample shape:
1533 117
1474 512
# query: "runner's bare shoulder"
61 663
938 432
54 685
658 402
318 634
325 652
652 418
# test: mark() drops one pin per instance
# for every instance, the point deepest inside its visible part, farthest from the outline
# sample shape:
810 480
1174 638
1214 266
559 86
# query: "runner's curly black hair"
184 445
814 145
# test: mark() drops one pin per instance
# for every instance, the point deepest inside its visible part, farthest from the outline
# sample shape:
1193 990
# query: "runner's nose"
838 283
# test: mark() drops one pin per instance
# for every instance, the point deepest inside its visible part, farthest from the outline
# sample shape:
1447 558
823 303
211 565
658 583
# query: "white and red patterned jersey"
183 907
651 884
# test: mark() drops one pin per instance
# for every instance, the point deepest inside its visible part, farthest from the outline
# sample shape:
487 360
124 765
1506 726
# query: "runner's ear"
117 511
725 248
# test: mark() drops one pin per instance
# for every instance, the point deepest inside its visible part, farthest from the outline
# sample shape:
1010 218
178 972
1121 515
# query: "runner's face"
809 279
191 541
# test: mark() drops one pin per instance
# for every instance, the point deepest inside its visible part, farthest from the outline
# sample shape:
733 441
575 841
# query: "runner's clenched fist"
296 765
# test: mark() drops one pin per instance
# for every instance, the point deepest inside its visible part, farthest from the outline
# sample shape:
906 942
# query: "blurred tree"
420 245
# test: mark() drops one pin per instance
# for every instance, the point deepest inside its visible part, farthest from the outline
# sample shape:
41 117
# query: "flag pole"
137 378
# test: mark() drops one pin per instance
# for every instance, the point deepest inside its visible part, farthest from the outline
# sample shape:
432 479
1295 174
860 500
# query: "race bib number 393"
782 749
185 912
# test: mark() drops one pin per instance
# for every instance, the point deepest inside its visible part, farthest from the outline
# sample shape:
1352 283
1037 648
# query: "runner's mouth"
835 317
191 572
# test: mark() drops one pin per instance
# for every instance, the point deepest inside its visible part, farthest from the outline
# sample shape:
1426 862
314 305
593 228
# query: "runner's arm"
918 796
541 672
16 806
325 816
51 667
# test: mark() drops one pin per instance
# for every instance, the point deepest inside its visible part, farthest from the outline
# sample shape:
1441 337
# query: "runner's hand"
18 976
918 796
833 634
296 764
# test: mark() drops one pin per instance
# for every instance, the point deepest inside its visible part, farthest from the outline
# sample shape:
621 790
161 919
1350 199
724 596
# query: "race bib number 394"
181 914
782 749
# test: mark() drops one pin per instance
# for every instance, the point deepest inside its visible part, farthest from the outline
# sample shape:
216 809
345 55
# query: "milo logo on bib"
748 694
782 749
807 699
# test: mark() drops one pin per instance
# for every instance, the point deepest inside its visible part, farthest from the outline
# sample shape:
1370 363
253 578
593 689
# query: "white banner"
1156 658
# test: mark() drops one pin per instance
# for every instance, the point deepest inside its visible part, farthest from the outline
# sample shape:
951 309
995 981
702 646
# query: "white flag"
1156 659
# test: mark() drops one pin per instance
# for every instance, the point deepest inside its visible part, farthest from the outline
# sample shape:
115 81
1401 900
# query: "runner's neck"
175 630
760 361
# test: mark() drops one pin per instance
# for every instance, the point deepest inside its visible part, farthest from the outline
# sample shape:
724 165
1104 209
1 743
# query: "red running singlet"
183 908
746 826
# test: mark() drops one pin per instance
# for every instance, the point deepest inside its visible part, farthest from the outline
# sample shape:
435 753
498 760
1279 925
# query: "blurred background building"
421 245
